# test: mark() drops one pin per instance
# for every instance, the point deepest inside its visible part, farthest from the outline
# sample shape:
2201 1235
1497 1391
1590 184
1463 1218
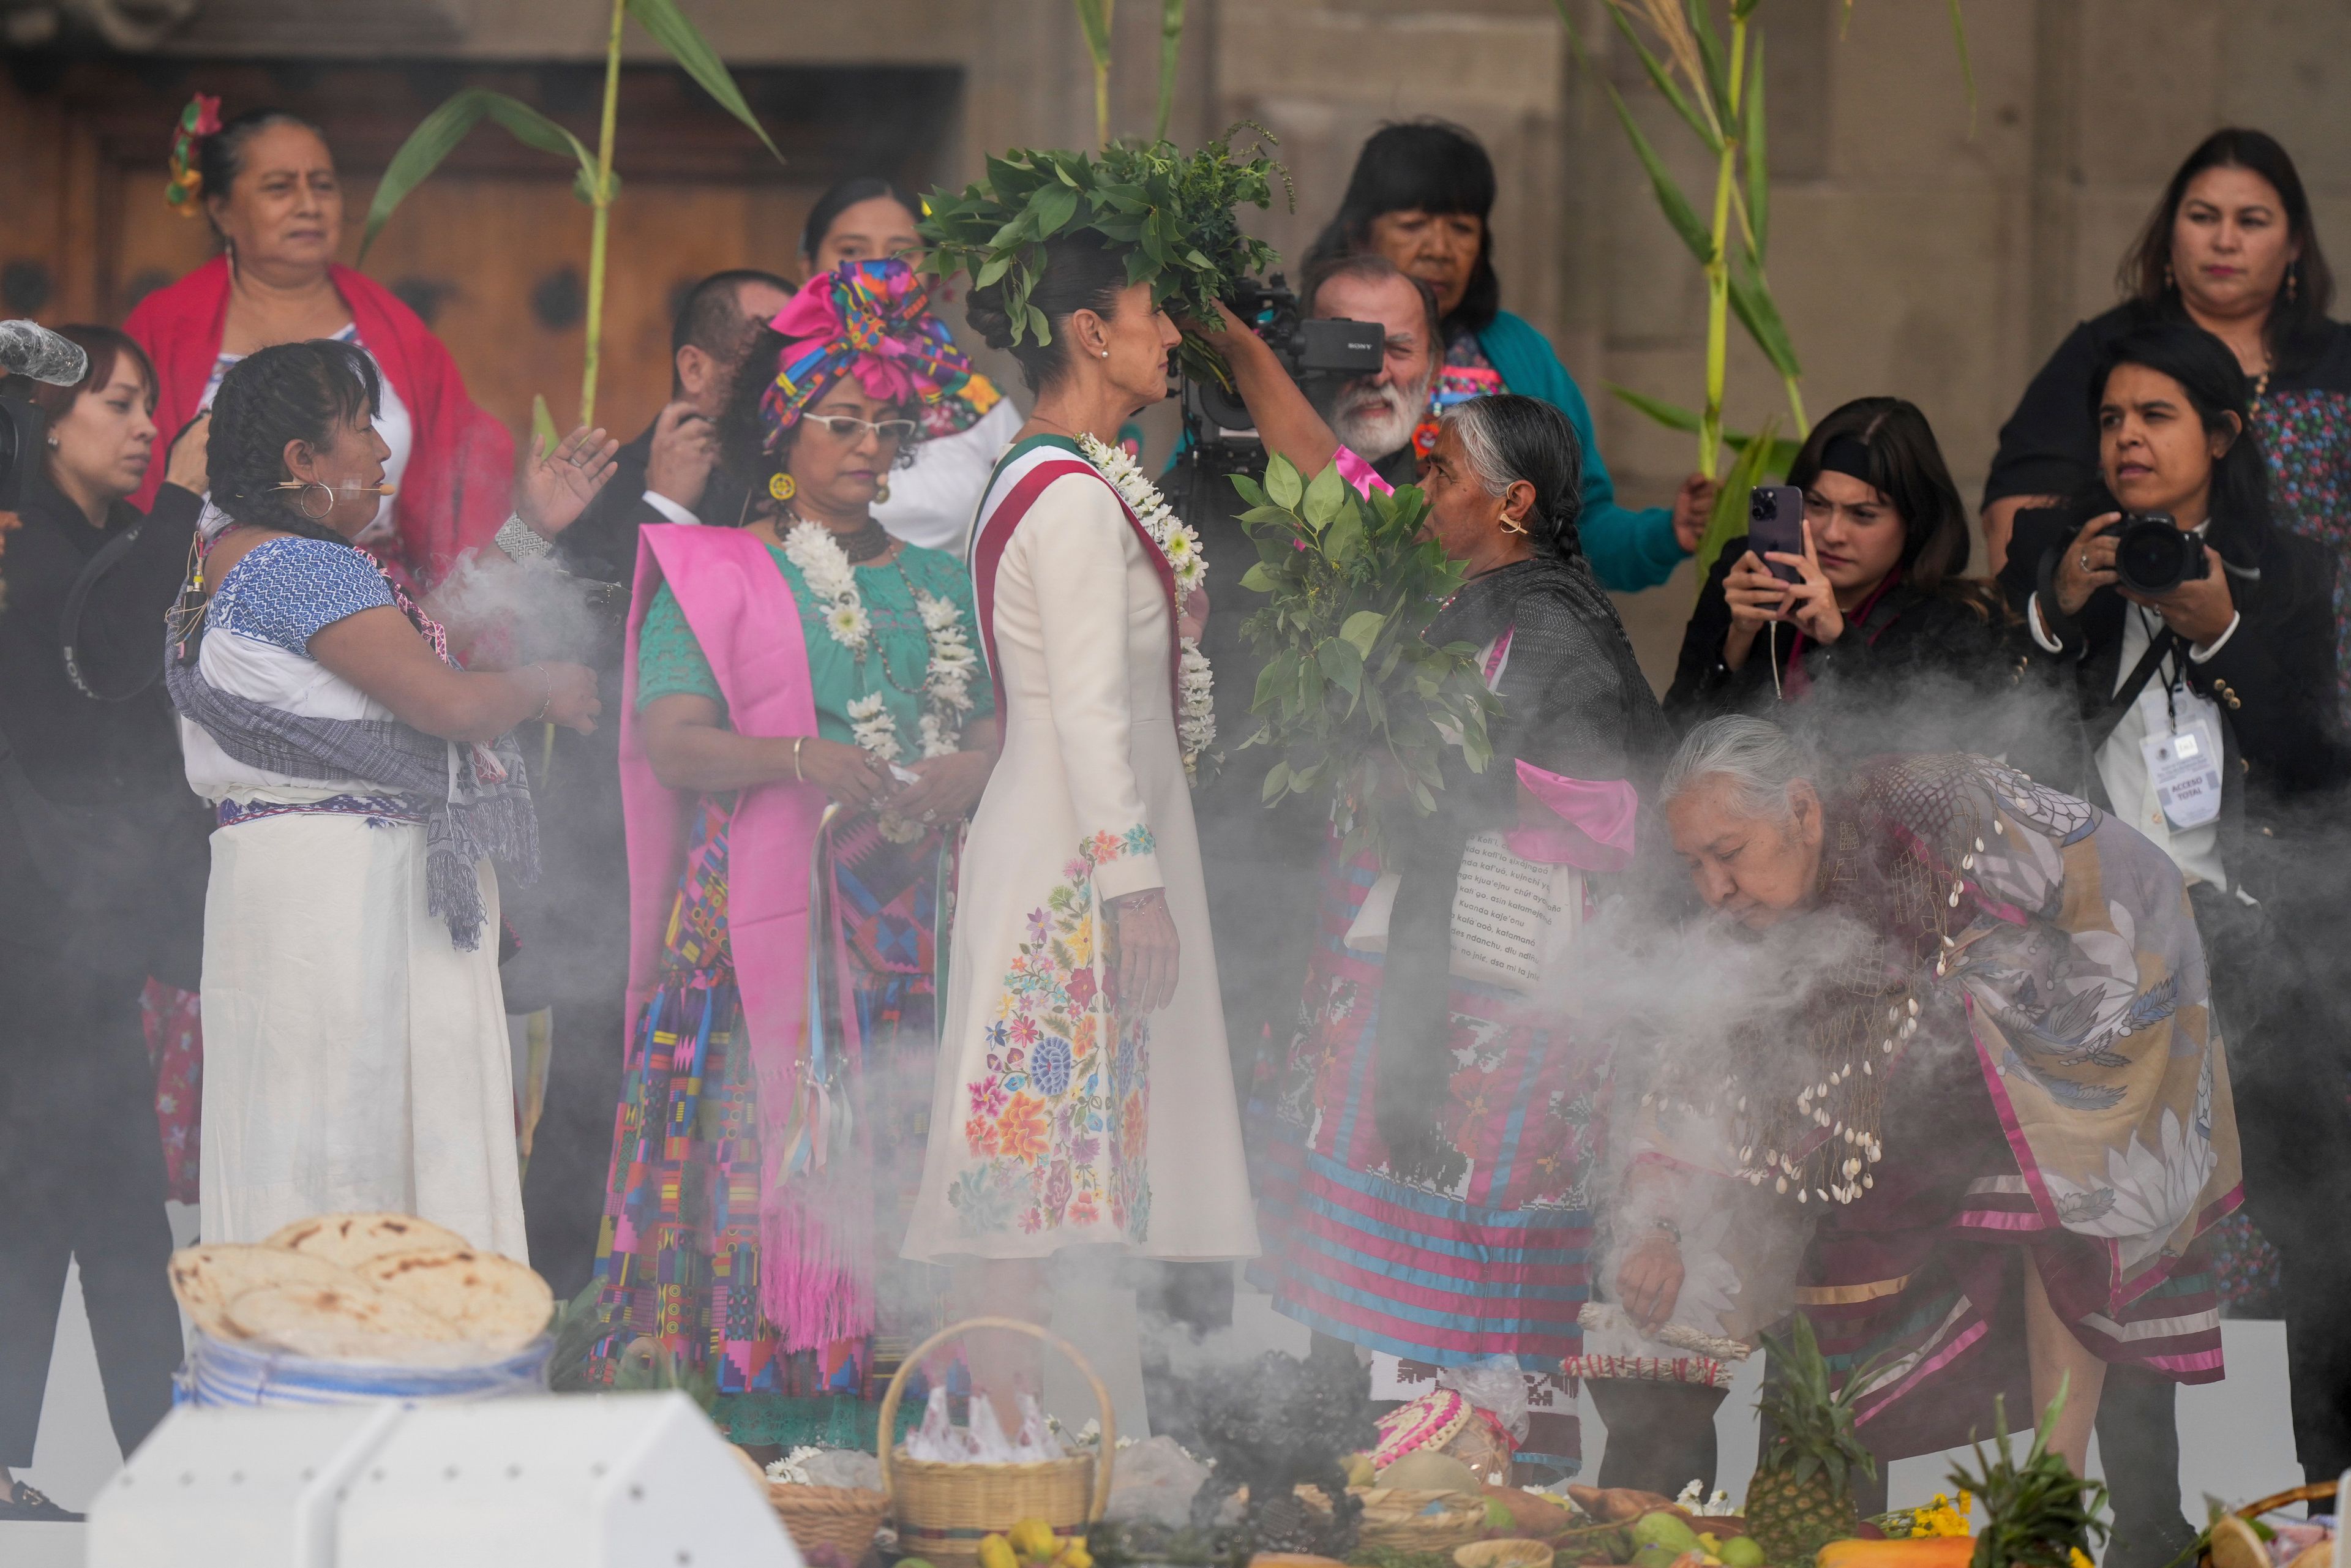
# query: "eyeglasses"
846 428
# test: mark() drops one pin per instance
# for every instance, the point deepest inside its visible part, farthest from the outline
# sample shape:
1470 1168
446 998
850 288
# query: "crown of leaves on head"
1173 214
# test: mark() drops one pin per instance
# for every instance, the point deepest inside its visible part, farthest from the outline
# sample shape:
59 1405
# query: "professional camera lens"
2152 555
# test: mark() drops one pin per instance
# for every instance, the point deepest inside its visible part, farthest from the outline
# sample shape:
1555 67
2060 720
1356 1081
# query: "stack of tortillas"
364 1287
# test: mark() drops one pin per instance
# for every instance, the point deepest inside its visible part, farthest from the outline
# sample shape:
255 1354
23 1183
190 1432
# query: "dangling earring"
2169 284
53 441
782 487
302 497
2292 282
881 495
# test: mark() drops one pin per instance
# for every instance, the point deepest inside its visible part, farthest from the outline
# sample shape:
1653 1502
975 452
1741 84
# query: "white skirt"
354 1059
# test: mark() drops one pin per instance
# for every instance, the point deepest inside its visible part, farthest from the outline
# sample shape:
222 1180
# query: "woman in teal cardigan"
1421 194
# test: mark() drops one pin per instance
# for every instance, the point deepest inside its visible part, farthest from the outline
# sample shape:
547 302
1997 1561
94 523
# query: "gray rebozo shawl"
475 799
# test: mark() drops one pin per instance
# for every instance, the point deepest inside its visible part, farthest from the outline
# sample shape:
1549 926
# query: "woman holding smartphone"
1865 600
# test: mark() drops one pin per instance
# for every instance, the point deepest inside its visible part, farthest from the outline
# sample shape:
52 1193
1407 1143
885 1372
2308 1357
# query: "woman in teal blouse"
752 1219
1421 194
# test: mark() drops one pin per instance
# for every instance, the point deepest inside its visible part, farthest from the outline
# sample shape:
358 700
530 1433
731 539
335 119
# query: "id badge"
2185 767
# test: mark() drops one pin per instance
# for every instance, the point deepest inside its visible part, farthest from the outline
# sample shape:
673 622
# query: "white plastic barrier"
618 1480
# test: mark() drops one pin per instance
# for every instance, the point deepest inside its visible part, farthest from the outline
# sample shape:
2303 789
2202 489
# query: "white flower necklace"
1196 719
946 683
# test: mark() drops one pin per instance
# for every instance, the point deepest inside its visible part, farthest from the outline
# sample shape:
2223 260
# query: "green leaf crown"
1174 215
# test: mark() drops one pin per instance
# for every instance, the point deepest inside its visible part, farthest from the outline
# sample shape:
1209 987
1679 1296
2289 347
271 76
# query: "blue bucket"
218 1372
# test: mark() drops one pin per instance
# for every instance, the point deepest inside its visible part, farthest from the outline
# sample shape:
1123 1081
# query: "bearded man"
1375 414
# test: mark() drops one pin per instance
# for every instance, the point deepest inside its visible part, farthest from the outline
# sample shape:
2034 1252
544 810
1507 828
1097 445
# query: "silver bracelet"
516 541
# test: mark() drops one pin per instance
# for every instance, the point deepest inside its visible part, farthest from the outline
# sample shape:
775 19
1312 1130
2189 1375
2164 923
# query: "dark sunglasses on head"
848 429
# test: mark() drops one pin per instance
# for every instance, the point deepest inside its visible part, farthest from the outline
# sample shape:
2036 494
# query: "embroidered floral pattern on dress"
1059 1119
2307 439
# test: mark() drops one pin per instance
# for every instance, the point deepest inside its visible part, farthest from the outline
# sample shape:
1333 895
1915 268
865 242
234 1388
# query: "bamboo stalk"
1717 267
601 217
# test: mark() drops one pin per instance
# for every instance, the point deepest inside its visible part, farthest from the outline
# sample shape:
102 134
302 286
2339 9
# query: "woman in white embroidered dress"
356 1053
1084 1095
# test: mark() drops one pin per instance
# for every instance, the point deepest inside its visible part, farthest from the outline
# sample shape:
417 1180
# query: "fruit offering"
1031 1544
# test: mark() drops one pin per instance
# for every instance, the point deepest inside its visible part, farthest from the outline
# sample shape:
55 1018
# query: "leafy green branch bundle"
1176 214
1353 701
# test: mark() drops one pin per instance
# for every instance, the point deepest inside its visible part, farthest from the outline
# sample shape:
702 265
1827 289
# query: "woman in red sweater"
267 183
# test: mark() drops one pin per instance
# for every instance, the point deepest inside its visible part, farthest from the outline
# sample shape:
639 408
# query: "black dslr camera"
2154 555
1215 418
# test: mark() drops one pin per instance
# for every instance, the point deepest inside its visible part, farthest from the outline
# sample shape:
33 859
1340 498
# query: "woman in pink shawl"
802 736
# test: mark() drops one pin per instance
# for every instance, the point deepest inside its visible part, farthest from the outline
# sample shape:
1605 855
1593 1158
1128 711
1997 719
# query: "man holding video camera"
1260 863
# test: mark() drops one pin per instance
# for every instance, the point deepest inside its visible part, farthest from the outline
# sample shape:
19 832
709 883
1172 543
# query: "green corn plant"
1712 78
1094 21
594 181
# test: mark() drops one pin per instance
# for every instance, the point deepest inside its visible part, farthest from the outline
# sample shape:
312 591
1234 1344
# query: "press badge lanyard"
2183 764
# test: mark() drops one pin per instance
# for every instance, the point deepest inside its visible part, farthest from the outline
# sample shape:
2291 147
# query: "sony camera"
1310 349
2154 555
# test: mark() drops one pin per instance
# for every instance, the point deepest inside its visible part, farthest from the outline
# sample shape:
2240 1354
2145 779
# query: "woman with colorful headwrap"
803 731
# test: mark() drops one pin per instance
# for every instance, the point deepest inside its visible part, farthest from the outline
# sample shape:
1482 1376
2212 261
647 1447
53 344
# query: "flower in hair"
199 119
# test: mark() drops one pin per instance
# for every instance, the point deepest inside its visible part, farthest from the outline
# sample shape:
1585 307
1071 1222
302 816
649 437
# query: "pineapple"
1801 1496
2037 1514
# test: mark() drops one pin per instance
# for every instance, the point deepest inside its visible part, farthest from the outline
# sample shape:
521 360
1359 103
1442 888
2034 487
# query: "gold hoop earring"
1513 526
782 487
302 497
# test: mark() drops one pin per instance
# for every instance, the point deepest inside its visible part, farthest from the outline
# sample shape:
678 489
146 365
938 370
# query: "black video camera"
2154 555
1214 416
21 428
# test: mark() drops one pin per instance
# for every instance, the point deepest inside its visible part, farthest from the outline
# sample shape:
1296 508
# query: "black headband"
1846 454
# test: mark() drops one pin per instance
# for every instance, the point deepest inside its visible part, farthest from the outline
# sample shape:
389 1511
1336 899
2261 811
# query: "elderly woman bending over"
1997 1090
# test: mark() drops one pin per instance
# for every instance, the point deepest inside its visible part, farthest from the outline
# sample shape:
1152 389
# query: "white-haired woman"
2004 1111
1428 1113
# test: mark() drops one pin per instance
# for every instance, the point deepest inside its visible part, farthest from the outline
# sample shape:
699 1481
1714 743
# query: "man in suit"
574 923
669 473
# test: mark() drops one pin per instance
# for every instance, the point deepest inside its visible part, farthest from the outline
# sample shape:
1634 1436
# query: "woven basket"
2317 1491
943 1510
1400 1519
844 1517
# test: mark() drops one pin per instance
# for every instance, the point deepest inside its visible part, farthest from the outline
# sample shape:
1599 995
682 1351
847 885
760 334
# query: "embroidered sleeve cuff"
1123 863
671 509
2204 655
2033 621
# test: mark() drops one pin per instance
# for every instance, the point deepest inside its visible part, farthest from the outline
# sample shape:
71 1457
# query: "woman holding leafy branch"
1434 1112
1084 1095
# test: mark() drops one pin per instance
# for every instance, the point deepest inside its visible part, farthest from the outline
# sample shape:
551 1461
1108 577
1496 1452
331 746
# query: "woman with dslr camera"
2204 671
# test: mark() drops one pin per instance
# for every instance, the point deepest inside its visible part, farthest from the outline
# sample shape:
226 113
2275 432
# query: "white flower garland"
946 684
1196 718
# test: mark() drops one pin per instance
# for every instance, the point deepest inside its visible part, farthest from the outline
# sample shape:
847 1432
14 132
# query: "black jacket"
1919 672
118 760
2273 681
2050 445
602 542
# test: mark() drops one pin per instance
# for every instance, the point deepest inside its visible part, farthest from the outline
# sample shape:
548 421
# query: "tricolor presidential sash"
1021 475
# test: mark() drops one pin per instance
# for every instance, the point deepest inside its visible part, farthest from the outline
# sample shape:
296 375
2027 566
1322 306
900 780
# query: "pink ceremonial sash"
743 614
1593 831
